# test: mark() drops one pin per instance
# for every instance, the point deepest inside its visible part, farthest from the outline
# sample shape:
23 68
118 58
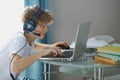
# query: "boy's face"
41 28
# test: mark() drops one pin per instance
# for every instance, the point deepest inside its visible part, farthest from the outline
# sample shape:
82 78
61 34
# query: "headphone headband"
37 14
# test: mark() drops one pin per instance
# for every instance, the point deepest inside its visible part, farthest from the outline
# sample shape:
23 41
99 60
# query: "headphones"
30 23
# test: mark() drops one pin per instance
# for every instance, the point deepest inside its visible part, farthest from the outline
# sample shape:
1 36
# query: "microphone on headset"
37 34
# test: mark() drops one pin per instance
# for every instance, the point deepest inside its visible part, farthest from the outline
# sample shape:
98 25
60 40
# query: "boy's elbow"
16 70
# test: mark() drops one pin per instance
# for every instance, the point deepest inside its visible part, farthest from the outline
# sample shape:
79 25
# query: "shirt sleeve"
18 46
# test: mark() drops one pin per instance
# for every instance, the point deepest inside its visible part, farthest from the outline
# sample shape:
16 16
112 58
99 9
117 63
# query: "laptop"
80 45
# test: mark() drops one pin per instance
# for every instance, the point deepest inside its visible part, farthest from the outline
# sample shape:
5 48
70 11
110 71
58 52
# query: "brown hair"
29 12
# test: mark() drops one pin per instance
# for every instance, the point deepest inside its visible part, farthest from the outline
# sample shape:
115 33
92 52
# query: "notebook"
80 44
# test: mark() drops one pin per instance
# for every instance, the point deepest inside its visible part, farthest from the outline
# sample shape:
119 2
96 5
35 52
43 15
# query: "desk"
86 68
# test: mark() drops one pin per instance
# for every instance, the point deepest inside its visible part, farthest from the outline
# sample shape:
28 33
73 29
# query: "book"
109 56
104 60
115 50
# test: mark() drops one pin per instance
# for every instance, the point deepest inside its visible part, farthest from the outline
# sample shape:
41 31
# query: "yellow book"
115 50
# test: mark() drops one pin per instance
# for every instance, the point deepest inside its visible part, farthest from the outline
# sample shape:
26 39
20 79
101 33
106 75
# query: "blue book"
109 56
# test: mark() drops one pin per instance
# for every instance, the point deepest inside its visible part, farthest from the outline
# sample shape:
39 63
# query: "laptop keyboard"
67 54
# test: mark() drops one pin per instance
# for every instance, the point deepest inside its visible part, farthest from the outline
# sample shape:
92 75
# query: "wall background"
104 14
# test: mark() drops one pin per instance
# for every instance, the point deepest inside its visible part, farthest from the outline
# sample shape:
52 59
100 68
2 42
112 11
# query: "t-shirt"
16 44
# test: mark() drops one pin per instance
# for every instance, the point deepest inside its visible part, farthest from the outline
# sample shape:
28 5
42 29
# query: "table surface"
88 62
85 67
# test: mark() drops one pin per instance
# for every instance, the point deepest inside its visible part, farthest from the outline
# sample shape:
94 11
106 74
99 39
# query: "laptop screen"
81 39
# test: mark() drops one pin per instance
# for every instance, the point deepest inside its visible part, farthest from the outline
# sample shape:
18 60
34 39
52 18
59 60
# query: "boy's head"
33 15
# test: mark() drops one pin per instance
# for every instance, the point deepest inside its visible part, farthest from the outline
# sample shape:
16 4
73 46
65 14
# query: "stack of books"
108 54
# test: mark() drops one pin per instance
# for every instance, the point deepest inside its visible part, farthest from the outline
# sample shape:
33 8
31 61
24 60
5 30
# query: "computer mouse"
63 47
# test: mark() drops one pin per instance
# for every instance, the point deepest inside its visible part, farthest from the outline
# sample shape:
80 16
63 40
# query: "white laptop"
80 45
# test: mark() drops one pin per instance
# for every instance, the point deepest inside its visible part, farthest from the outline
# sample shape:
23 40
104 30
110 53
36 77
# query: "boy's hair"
44 17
